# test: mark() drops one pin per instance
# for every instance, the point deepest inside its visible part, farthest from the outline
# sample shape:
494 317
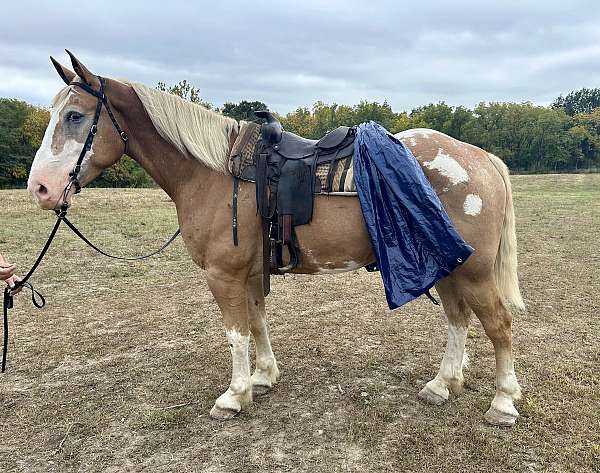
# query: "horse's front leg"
231 293
266 373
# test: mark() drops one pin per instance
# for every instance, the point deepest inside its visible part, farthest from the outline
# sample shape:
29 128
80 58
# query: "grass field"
92 378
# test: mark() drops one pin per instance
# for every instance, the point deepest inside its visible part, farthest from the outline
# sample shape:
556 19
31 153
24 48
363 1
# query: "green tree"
578 101
186 91
243 110
586 130
35 126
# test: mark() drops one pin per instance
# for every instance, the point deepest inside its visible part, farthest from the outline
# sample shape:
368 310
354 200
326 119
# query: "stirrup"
294 258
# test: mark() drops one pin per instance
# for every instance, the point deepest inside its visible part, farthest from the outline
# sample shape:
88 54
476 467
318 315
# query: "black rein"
61 215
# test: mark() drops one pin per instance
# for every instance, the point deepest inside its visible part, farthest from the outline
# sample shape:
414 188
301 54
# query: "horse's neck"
176 174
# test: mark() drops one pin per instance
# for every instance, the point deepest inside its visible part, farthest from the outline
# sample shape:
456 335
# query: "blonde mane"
60 97
194 130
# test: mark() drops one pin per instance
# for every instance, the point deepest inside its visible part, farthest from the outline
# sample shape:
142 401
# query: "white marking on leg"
472 205
239 393
448 167
502 410
450 374
465 361
266 373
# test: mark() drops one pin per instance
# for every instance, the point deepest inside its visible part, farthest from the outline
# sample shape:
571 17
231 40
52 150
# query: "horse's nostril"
42 189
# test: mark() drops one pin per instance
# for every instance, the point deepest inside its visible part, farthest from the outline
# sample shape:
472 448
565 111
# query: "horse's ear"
65 74
83 72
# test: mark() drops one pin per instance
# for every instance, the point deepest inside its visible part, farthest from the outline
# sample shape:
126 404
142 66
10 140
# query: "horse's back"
463 176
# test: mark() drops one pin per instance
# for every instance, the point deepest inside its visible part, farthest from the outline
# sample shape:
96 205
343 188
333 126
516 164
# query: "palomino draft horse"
184 147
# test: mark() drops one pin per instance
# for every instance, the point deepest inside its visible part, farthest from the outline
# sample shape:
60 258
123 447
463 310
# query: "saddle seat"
292 146
284 167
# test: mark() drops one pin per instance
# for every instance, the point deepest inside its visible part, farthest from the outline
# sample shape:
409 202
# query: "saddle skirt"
332 177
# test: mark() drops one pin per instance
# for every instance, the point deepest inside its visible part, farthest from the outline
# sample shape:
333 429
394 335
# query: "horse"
184 147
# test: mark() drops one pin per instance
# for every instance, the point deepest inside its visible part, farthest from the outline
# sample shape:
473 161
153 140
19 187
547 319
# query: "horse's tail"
505 267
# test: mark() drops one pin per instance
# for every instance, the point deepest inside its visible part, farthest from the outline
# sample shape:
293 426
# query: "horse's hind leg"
266 373
450 376
484 299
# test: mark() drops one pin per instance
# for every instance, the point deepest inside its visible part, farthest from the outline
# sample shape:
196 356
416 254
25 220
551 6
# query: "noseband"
61 213
102 101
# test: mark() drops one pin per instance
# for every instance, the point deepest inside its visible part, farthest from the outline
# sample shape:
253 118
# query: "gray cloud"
291 54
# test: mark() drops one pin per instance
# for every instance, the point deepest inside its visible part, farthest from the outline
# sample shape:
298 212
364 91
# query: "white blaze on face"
57 155
448 167
472 205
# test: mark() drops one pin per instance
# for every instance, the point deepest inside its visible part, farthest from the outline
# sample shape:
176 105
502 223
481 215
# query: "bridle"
102 102
38 299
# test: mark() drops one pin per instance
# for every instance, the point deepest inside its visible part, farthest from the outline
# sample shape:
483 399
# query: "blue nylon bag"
413 238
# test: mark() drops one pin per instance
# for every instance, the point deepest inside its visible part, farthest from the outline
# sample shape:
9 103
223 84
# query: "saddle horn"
271 131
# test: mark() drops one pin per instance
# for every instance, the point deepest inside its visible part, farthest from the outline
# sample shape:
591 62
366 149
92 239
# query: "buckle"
63 210
94 129
124 136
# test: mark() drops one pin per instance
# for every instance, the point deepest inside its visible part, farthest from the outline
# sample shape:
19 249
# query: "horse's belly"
336 240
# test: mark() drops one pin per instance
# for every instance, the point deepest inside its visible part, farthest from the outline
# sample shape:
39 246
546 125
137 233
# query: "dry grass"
93 378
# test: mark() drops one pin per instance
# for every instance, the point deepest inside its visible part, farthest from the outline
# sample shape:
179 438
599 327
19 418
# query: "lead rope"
10 291
38 299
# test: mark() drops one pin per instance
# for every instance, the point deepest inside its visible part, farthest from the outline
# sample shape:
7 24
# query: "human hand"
11 283
7 270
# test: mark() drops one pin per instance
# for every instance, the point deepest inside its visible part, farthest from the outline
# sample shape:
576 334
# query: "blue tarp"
413 238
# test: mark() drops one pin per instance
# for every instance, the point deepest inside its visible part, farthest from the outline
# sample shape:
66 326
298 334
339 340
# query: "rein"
38 299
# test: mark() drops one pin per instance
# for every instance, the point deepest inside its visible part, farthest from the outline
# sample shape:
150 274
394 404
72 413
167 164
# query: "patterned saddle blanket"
334 177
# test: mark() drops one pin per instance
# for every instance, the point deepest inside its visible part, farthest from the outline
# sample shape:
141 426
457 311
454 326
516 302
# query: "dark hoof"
501 419
223 414
430 397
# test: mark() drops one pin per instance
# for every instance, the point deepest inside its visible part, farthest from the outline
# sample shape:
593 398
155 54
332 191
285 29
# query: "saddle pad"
242 163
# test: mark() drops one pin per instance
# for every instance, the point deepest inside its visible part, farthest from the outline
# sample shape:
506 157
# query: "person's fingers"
11 283
7 271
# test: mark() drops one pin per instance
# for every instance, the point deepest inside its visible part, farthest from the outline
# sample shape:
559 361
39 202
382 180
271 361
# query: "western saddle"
284 166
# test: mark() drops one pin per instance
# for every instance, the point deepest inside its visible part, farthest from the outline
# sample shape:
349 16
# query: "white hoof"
502 412
264 379
230 403
433 394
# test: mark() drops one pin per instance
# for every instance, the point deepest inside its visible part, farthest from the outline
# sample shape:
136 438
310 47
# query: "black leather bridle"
102 101
61 212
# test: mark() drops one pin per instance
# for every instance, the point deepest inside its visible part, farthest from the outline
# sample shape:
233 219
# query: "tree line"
563 137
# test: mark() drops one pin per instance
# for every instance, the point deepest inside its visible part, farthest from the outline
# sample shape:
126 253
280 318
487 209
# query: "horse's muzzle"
47 197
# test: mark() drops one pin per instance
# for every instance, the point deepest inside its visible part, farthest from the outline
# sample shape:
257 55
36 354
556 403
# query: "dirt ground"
118 372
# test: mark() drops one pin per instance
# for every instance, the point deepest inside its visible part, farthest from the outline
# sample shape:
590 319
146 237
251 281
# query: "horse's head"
71 118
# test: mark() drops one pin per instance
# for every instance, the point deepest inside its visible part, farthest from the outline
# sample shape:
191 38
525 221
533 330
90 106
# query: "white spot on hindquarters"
448 167
348 266
472 205
415 132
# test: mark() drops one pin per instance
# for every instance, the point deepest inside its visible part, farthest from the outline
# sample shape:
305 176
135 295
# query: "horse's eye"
74 117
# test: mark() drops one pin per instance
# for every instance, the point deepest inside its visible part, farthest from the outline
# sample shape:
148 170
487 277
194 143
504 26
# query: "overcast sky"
290 54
